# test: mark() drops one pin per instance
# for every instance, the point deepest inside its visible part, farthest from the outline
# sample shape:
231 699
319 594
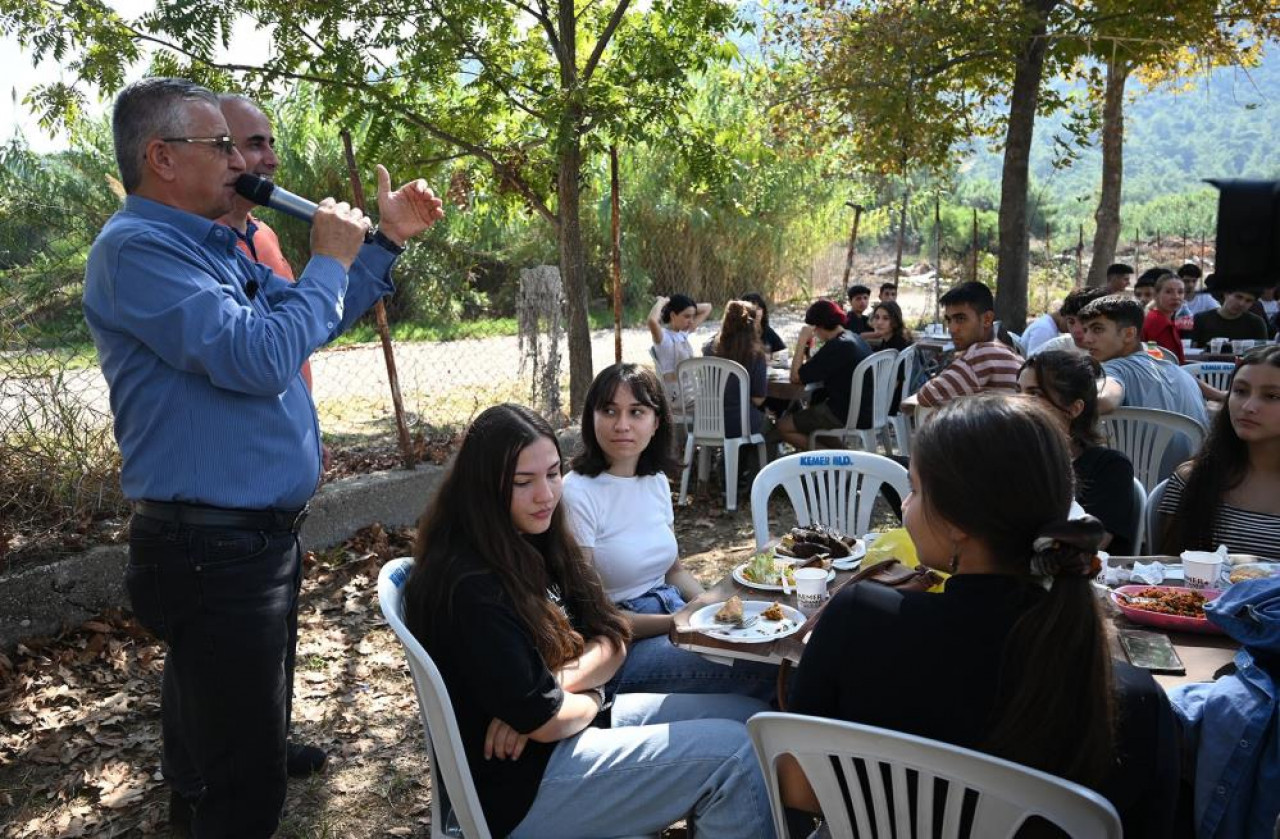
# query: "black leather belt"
200 516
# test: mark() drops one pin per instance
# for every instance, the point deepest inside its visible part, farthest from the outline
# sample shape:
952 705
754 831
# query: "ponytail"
1035 694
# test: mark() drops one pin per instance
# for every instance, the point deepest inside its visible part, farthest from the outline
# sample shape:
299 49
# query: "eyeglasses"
223 143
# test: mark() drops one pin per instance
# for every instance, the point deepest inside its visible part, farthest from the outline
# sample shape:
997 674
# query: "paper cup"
1202 569
811 587
1186 344
1216 345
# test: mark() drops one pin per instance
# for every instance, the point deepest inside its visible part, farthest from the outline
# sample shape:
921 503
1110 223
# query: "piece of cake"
731 611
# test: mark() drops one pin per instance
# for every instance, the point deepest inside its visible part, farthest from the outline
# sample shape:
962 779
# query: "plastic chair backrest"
455 807
904 365
706 378
1145 434
1139 516
1216 374
832 487
1154 534
882 365
862 777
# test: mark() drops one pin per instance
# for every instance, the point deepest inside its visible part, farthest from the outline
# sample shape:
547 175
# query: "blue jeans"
665 758
225 602
655 665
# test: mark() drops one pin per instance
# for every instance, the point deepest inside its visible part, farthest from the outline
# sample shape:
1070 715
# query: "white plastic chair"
707 378
455 807
832 487
838 756
1154 533
879 366
1145 434
1216 374
1139 516
903 368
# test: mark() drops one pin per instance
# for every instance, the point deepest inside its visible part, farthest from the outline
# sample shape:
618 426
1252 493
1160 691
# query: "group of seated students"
1177 310
550 622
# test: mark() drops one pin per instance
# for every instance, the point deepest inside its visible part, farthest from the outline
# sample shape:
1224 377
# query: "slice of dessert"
731 611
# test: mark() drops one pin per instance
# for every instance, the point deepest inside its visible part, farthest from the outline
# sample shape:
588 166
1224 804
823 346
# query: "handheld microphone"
261 191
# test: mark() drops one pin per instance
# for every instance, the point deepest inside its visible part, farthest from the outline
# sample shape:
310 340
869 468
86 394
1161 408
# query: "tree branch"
619 12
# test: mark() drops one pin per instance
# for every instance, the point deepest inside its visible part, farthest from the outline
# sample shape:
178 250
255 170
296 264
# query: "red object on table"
1160 620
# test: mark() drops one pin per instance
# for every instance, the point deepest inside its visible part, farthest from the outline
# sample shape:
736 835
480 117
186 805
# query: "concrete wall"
42 600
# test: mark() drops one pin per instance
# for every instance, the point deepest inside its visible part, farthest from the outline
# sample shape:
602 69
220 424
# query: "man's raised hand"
408 211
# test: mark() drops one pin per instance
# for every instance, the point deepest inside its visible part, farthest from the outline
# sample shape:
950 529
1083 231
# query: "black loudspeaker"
1248 248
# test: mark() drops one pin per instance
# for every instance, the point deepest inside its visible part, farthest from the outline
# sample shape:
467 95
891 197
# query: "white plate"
742 580
761 632
856 552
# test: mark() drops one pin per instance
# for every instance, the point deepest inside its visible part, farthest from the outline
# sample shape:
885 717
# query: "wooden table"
1202 655
781 386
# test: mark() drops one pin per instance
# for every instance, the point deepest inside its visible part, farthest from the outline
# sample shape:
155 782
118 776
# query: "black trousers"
225 601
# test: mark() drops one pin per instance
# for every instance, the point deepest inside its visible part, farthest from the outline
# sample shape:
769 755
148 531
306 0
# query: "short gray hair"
145 110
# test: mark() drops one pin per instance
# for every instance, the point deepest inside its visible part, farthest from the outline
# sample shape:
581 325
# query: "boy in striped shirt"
981 363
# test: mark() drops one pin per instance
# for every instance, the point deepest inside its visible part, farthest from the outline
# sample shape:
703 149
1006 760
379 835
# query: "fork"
746 622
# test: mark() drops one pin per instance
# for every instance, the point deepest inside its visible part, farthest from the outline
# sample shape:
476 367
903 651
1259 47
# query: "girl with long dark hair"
773 342
1068 383
619 501
739 340
888 330
1011 658
516 620
1230 493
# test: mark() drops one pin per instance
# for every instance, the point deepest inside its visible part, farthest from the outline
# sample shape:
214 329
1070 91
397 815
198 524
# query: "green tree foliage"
531 89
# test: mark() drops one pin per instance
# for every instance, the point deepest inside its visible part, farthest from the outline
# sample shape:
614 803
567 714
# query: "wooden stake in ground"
902 232
1080 258
973 248
380 315
853 245
616 265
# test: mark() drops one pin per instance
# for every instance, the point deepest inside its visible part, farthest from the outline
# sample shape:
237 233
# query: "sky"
248 45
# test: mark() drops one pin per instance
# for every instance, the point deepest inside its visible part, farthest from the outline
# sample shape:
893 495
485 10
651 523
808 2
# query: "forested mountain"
1226 126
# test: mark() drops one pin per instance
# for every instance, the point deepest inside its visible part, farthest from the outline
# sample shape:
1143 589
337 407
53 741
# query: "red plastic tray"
1171 623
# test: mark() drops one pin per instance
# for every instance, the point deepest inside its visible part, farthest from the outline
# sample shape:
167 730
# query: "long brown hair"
998 468
739 337
467 528
1219 467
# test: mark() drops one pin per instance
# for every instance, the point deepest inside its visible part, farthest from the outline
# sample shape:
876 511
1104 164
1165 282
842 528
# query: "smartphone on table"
1151 651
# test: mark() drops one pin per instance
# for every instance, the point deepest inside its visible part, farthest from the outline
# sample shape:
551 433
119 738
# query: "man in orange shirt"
251 132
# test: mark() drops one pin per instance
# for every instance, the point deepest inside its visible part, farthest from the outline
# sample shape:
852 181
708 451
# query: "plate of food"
747 621
1251 571
765 572
844 552
1167 607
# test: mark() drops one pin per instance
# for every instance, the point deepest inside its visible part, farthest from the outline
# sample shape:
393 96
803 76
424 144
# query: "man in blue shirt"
201 349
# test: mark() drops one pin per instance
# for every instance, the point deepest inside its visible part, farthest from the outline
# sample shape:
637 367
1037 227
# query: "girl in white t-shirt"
670 321
619 503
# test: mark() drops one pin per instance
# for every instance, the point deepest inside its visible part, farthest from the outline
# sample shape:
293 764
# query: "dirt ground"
79 714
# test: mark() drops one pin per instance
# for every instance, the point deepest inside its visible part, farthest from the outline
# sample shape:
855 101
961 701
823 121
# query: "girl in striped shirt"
1230 493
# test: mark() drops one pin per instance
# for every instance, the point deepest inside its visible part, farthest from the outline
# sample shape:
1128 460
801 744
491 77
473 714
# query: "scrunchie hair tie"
1068 549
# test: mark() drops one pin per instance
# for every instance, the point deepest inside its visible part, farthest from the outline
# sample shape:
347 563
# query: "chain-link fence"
58 460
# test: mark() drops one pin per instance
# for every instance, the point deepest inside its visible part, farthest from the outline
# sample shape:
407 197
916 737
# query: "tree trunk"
573 271
573 263
1011 269
1107 216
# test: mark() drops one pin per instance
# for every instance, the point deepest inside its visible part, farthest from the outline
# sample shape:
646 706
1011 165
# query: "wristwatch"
382 240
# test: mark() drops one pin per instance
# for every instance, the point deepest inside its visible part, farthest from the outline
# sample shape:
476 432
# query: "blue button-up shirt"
201 349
